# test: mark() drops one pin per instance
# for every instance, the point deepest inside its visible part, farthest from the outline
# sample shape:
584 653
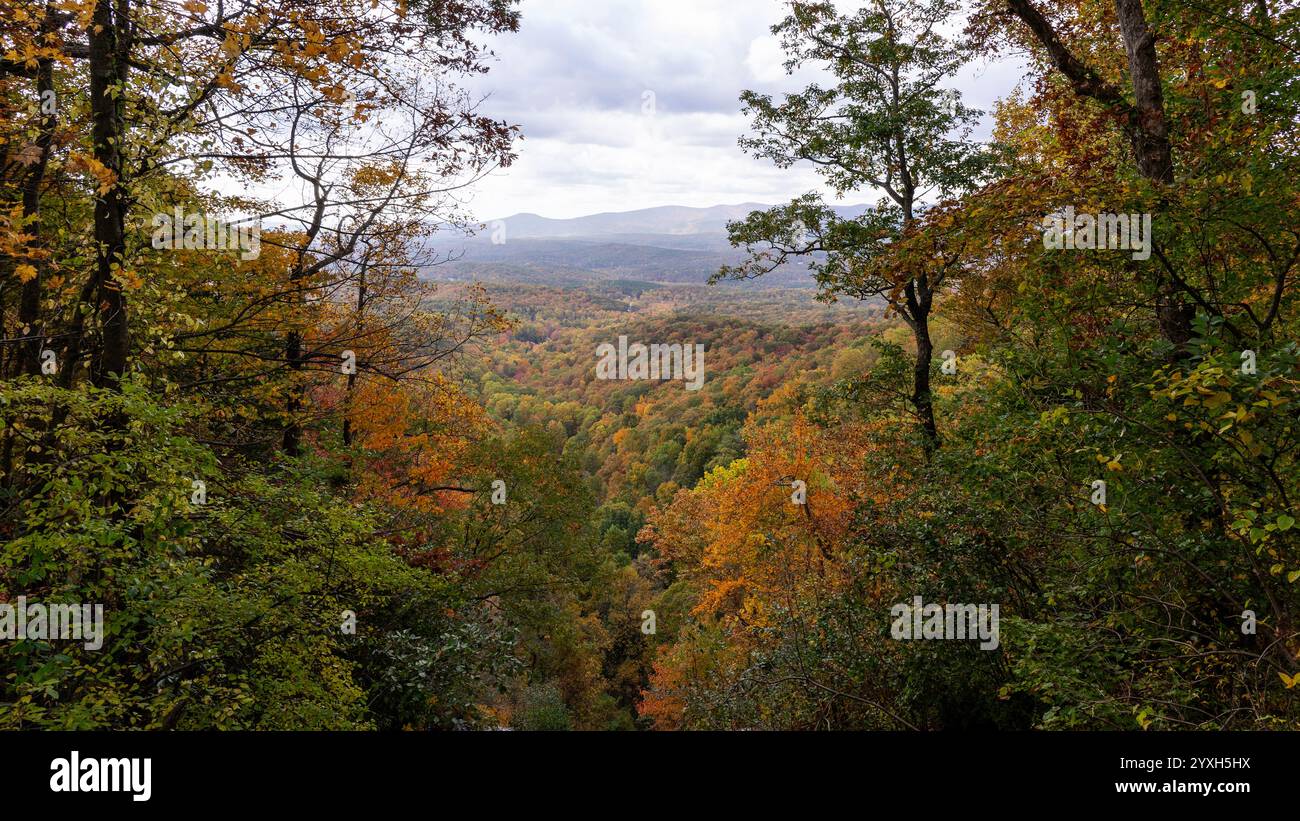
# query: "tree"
886 124
1182 284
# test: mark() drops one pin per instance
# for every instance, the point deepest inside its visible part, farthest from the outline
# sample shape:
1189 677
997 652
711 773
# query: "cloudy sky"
629 104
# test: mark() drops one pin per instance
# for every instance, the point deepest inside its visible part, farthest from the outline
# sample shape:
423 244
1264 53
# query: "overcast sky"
578 76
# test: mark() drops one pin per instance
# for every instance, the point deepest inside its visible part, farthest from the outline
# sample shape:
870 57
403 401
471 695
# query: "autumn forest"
994 429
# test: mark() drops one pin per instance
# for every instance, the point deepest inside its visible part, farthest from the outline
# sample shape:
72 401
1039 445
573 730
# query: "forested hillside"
320 478
1164 597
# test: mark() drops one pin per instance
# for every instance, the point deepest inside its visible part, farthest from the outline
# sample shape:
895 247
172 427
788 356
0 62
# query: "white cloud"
573 79
765 59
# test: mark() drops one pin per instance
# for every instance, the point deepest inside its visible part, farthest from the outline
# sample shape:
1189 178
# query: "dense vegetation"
242 456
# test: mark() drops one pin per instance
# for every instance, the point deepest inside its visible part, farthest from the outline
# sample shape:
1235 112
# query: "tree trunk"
292 440
918 304
922 398
1146 124
29 300
108 36
1150 132
352 377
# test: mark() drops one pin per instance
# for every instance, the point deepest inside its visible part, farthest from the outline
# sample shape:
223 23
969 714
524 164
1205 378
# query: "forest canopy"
1051 373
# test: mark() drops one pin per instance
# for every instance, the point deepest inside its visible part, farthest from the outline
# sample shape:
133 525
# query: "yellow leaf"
26 273
1218 400
102 174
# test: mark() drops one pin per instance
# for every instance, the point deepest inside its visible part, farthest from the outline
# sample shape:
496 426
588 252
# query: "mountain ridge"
666 243
671 220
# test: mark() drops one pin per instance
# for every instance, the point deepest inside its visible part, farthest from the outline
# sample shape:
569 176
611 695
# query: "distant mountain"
668 219
569 260
670 243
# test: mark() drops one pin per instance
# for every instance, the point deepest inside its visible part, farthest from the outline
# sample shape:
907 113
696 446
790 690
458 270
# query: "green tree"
887 124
